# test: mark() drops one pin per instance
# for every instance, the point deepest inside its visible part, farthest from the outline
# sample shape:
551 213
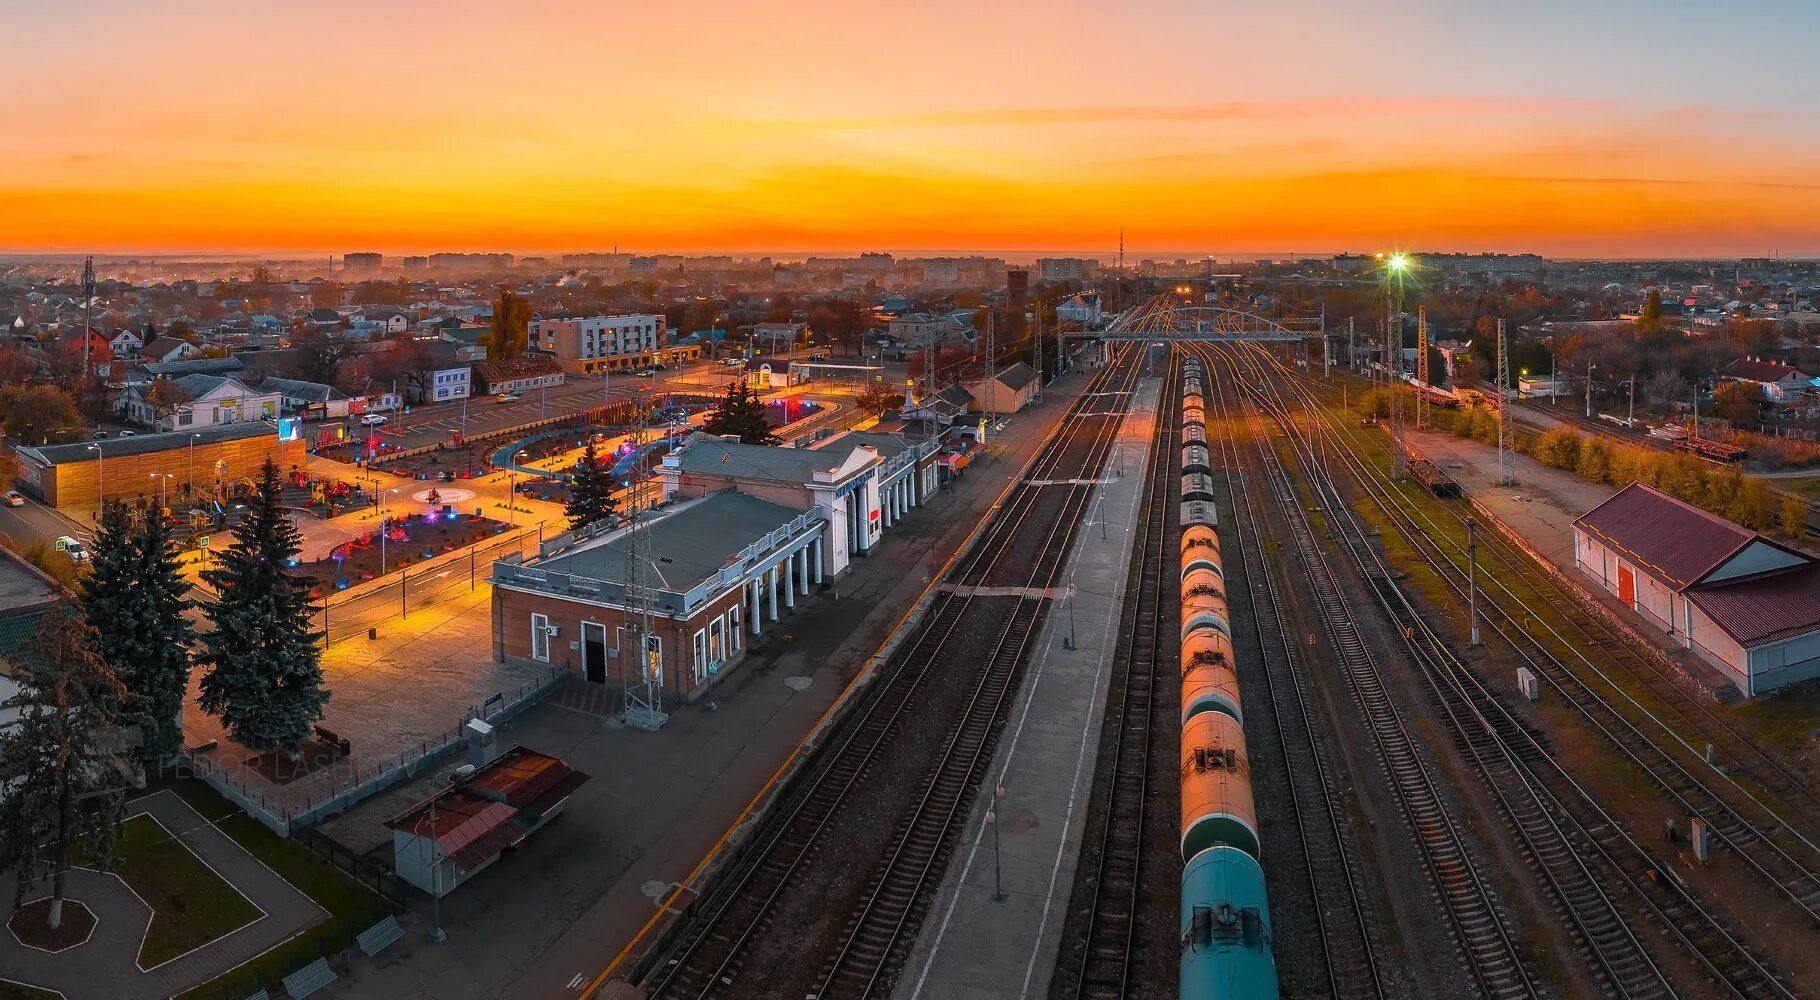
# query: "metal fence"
364 869
413 588
356 783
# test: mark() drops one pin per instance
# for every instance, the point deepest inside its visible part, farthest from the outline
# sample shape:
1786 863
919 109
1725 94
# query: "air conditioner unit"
551 630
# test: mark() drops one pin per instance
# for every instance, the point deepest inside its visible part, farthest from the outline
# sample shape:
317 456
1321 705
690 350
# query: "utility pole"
1352 343
1399 445
1472 578
1326 346
991 362
1506 475
88 305
1421 368
1037 393
644 693
1589 370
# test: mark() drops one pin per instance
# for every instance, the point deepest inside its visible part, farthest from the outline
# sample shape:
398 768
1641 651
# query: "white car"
373 419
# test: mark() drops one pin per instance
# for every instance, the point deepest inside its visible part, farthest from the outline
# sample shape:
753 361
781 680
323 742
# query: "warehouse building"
82 473
1746 604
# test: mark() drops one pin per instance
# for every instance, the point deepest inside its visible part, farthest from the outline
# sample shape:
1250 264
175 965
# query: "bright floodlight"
1398 262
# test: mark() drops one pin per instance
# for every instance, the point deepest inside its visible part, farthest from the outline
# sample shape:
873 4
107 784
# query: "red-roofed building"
1746 604
461 830
1778 381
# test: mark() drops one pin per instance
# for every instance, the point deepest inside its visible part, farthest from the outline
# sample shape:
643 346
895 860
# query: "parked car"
374 419
128 434
13 499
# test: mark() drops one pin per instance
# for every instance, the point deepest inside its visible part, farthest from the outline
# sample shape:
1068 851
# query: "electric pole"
1506 473
991 361
1399 445
644 693
1037 393
1421 368
88 305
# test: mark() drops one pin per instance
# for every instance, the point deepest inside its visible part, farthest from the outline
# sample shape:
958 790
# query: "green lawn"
191 905
352 907
19 991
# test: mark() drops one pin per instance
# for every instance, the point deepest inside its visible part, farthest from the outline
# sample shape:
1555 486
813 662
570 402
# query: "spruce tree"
134 598
265 669
61 764
590 489
741 412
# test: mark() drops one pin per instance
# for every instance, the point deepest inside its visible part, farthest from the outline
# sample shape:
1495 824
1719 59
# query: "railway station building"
1745 604
718 570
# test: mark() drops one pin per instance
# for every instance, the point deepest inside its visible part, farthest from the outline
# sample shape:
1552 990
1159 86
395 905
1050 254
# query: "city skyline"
1629 130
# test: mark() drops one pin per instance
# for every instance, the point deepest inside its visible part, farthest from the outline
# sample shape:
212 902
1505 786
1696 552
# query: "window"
733 630
717 642
540 637
701 656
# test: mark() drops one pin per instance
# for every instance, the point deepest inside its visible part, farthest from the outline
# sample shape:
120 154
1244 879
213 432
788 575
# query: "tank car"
1210 682
1226 933
1217 806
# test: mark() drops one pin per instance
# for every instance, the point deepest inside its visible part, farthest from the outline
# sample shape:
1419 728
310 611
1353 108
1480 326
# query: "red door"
1627 585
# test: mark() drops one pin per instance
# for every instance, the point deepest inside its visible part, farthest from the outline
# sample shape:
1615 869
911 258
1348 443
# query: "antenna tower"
1506 470
1121 251
1037 391
644 691
1422 368
991 371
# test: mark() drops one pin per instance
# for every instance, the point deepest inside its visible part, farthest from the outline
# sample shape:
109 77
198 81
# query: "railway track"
1569 825
1758 840
1491 953
711 954
1326 842
1096 959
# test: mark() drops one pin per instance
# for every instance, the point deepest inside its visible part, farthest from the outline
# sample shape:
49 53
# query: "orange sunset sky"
1593 128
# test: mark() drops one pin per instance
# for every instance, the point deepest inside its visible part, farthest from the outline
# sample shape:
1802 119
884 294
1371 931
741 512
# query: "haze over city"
1568 129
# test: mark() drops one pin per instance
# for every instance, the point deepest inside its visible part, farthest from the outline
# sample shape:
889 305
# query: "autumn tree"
38 414
316 356
1794 517
878 397
62 764
1650 318
511 330
325 295
1737 402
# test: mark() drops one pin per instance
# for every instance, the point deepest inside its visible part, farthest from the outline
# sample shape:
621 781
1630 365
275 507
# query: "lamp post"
998 884
1589 370
161 477
1472 578
100 480
190 472
512 488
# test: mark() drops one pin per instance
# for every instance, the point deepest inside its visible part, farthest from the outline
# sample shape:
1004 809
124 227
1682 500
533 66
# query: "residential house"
1010 392
1083 310
166 348
125 343
209 400
1778 382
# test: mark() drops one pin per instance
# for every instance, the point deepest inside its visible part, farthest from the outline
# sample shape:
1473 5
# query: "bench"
378 937
309 979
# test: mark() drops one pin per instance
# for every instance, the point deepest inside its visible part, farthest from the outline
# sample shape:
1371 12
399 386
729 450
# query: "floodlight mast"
644 690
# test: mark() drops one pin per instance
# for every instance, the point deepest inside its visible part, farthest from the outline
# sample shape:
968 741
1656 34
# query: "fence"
357 783
364 869
416 587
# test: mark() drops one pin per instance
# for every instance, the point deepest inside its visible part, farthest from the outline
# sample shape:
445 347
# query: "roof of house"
291 388
160 346
712 455
777 365
324 315
527 366
145 444
231 363
1017 377
199 384
1673 540
688 543
1760 609
887 445
1758 370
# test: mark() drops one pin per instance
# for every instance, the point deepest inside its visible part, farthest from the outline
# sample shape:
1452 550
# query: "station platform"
971 945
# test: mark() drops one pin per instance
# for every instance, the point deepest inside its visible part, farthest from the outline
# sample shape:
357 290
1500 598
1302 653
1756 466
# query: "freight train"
1225 918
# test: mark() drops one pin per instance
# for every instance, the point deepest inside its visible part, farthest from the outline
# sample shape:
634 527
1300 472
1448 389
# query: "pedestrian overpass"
1207 325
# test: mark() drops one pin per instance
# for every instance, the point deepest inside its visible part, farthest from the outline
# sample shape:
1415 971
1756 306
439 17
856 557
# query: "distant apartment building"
1065 268
471 261
942 272
362 261
416 263
585 345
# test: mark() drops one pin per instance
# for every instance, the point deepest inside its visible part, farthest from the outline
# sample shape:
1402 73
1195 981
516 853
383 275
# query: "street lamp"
512 488
161 477
100 480
998 883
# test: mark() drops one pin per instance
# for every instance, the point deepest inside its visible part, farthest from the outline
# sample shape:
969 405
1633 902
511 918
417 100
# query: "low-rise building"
199 401
82 473
522 374
1744 603
774 373
1778 382
586 345
26 593
1009 392
720 566
1083 310
463 829
310 400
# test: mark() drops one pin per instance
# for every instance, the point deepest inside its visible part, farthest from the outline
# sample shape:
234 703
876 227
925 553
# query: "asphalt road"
35 523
